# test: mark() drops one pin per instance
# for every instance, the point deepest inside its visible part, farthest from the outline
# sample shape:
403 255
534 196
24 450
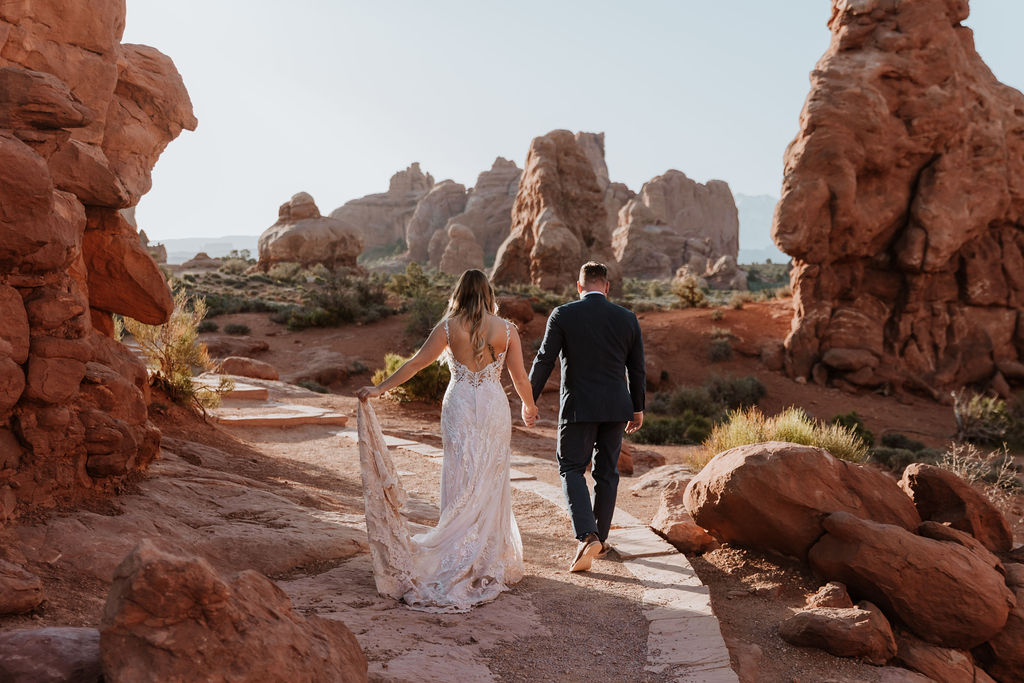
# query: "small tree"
174 353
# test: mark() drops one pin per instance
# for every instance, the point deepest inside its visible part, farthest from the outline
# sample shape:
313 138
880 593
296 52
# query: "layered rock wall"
83 119
903 206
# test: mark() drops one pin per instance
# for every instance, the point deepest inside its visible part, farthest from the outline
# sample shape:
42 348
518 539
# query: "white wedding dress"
475 551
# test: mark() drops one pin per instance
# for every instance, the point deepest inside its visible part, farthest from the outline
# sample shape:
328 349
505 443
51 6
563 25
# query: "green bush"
794 425
853 422
735 392
207 326
284 272
236 328
233 266
688 428
312 386
894 440
719 350
336 300
980 419
429 384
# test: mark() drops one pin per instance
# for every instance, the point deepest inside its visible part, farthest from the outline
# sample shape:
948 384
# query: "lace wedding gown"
475 551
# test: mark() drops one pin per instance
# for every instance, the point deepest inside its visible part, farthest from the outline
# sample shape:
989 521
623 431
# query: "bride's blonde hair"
472 297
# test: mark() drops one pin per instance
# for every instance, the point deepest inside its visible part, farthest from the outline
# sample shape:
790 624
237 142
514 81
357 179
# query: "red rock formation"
433 213
171 618
903 204
861 631
559 220
302 235
462 251
380 219
675 221
82 121
942 591
772 496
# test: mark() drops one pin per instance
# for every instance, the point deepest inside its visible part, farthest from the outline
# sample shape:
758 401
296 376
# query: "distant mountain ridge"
181 249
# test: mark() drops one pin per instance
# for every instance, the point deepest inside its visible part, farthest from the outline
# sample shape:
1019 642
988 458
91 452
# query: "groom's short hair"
592 273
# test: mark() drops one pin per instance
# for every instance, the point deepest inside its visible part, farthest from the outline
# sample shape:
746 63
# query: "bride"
475 551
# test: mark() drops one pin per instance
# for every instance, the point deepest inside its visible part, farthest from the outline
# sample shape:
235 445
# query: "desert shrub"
207 326
717 314
794 425
895 440
341 299
720 346
312 385
897 459
737 299
357 367
687 428
995 468
687 289
424 312
174 353
853 422
735 392
222 303
236 328
428 384
284 272
980 419
412 283
233 266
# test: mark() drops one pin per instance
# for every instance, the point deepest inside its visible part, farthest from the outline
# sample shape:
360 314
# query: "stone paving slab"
516 475
270 414
638 541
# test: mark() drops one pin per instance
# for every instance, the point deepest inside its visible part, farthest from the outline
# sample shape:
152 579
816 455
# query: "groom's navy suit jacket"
602 355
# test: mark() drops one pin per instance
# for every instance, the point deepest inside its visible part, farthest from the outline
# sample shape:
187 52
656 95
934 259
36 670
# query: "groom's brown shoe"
587 550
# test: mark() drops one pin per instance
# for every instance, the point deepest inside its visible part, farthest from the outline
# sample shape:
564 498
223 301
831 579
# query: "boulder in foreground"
171 618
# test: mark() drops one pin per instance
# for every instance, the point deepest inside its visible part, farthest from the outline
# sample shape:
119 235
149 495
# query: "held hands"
368 392
530 414
635 423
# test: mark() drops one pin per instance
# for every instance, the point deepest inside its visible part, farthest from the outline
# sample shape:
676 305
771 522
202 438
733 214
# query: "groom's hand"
635 423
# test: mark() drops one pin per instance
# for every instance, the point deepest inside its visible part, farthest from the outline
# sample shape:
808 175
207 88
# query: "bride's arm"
427 354
517 371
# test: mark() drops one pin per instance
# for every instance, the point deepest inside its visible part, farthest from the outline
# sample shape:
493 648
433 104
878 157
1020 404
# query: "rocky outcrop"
488 211
379 220
901 204
942 591
247 367
1003 655
941 664
861 631
201 260
432 213
559 220
673 523
20 591
772 496
83 119
461 252
614 195
674 221
301 235
943 497
50 655
171 618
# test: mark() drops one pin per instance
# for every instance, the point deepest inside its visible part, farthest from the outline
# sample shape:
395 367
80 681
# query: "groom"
602 395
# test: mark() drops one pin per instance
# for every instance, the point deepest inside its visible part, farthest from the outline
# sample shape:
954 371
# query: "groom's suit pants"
578 444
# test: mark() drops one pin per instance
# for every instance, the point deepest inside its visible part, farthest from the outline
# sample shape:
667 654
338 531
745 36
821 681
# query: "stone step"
240 392
276 415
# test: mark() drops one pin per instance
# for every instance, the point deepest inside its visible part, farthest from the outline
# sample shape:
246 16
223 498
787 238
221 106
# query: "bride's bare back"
495 334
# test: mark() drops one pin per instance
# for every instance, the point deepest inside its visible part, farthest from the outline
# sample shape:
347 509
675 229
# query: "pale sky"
332 97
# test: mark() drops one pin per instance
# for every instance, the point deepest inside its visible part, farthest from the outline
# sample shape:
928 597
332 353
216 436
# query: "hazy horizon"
332 98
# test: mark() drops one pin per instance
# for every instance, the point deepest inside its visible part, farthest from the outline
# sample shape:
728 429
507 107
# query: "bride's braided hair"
472 297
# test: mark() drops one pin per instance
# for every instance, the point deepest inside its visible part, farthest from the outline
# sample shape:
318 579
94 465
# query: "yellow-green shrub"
428 384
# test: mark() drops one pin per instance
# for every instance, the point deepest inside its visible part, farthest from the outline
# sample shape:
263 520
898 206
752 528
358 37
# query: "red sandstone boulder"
20 591
944 497
773 496
123 278
832 594
515 308
862 632
942 591
247 367
302 235
901 205
559 220
1003 655
50 655
673 523
173 618
941 664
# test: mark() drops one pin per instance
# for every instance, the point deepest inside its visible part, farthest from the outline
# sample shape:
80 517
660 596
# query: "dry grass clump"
174 354
743 427
994 473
